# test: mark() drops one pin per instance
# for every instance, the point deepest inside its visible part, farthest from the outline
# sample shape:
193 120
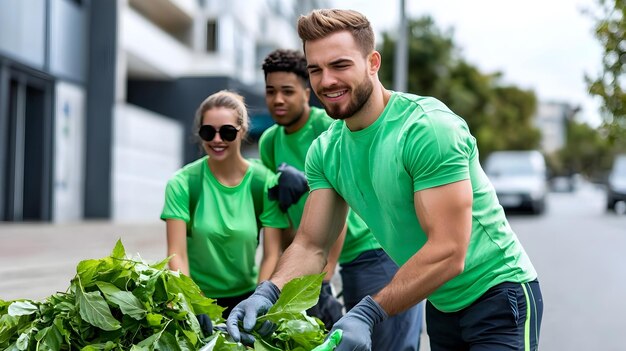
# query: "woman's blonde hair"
323 22
226 99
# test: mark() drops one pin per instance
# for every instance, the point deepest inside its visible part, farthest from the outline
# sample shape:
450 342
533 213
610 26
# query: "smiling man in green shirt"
364 266
409 167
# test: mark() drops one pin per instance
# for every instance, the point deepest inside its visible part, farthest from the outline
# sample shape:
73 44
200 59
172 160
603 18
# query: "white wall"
22 30
68 39
69 146
156 53
147 150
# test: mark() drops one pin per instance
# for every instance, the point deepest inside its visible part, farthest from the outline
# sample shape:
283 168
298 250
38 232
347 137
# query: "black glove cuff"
268 290
326 288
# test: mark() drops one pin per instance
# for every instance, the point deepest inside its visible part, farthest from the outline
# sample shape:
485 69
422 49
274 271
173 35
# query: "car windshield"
511 165
619 169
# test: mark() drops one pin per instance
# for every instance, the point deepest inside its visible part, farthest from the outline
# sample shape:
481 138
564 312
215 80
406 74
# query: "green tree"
586 151
610 30
499 116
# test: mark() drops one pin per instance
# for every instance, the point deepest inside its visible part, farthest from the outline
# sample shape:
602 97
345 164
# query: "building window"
211 35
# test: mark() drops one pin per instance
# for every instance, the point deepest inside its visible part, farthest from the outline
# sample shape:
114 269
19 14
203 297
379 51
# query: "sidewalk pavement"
39 259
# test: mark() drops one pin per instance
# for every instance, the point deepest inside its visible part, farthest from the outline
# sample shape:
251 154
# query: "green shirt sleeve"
272 216
266 149
176 198
314 167
437 150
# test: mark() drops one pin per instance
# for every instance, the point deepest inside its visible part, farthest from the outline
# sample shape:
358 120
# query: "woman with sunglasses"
211 208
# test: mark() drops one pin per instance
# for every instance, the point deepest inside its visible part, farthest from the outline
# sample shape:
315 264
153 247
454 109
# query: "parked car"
520 179
616 186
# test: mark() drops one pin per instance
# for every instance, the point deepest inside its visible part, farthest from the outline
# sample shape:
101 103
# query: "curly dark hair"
286 61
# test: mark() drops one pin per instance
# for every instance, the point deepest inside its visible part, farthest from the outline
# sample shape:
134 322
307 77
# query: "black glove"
291 186
205 324
328 309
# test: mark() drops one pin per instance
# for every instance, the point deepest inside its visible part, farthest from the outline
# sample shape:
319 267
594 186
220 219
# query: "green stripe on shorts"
527 323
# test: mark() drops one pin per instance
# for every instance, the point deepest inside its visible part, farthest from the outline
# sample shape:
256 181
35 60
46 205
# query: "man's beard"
361 95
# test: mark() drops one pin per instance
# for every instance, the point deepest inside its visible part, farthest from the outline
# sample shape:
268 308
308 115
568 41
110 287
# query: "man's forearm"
420 276
333 255
298 260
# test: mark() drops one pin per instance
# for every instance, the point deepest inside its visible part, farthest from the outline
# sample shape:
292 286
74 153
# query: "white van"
519 178
616 189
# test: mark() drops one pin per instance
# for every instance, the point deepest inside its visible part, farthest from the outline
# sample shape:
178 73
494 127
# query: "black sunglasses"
227 132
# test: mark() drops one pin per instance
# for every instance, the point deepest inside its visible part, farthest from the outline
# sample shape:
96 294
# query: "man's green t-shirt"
415 144
292 149
222 246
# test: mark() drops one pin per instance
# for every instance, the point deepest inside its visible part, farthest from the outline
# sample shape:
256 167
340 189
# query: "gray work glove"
357 325
247 311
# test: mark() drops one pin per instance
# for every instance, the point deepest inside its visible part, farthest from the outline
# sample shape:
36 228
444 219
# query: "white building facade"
97 96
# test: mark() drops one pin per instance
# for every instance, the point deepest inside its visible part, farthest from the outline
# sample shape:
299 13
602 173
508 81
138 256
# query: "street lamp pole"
401 59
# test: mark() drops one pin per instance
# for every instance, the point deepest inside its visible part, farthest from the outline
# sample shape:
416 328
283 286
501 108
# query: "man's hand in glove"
247 311
291 186
328 309
357 325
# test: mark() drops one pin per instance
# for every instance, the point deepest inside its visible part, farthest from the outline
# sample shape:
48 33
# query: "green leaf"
182 284
297 295
262 345
125 300
154 319
148 343
49 339
146 284
221 344
95 311
4 305
190 317
93 347
86 270
8 328
22 308
305 332
22 341
184 343
162 264
167 342
118 251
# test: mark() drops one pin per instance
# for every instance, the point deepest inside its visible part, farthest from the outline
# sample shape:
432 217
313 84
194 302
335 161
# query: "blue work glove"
247 311
328 309
205 324
357 325
291 186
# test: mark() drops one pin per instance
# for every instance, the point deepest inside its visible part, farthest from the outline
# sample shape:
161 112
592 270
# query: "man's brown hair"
323 22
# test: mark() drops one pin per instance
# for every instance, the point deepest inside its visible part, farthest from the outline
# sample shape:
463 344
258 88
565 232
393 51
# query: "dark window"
211 35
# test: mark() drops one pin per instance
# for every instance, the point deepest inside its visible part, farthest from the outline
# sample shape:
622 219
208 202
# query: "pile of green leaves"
120 303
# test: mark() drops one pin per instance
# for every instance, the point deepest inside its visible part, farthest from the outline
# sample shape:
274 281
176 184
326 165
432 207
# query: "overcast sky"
547 46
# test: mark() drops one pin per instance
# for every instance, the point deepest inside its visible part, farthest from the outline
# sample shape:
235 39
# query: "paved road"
578 250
